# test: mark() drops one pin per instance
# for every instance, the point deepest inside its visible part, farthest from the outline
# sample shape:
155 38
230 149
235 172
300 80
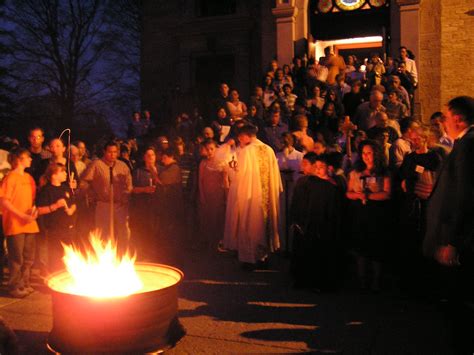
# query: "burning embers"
106 303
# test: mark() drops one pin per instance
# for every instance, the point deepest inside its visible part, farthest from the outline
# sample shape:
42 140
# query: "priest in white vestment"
251 225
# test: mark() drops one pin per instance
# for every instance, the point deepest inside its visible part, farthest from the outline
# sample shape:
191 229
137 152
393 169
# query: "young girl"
213 186
169 195
369 190
58 151
143 201
55 201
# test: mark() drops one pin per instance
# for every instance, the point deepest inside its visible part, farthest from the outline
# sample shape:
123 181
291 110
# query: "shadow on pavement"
231 294
308 336
315 339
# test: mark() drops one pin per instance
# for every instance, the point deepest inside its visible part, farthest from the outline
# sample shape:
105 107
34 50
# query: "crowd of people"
325 160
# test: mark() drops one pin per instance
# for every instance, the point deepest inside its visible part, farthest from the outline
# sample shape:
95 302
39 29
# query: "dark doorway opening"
210 71
352 24
349 24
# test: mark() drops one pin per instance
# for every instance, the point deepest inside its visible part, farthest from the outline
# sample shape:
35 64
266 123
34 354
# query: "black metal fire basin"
143 322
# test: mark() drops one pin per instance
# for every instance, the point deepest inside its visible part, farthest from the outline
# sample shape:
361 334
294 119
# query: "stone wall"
446 52
268 36
457 49
159 59
177 44
429 59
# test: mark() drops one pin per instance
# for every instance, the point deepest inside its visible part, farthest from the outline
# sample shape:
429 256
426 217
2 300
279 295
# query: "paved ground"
227 310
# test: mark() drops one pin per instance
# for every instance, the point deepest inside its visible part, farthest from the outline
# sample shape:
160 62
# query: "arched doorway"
350 26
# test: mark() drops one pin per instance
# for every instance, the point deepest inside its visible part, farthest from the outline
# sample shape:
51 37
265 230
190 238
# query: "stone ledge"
285 11
407 2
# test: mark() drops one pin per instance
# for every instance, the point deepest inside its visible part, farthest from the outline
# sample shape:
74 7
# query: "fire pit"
140 322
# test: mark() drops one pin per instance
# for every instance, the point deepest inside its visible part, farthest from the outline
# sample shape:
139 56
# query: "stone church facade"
188 46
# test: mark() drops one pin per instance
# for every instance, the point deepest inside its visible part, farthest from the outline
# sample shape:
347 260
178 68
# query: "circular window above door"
377 3
349 5
324 6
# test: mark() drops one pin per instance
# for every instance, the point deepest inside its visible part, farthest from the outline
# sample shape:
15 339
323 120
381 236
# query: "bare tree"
124 21
57 48
6 89
124 17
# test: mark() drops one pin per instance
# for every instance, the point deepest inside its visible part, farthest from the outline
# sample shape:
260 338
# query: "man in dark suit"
449 237
316 215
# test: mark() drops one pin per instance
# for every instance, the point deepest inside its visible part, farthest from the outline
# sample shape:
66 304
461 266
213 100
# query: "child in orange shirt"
17 194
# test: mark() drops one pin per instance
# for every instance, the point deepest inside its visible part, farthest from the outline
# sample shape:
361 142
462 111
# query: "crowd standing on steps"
326 161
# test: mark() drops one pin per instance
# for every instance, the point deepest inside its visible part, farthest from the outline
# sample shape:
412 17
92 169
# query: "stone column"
429 63
410 25
285 14
410 38
301 27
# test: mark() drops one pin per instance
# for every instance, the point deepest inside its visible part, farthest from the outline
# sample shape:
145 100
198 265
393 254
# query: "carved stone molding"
284 10
407 2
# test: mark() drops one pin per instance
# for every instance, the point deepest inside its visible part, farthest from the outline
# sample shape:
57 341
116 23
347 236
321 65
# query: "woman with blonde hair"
303 140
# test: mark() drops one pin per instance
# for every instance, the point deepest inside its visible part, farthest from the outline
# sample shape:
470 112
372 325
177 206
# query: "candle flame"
100 272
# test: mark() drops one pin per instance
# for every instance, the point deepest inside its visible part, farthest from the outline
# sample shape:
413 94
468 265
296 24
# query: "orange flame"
100 273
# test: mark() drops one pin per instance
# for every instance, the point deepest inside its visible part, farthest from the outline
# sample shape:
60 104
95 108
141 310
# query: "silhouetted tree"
57 50
7 91
82 55
124 22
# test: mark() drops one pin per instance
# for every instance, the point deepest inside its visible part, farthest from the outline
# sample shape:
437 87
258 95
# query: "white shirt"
399 149
411 68
446 140
290 161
